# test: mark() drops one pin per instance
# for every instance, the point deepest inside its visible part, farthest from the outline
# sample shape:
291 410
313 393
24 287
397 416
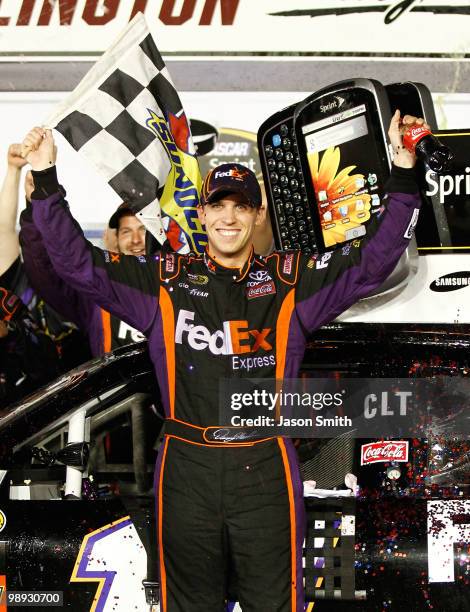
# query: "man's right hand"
38 149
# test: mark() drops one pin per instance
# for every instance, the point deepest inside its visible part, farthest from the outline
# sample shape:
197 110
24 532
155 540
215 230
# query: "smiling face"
131 236
230 223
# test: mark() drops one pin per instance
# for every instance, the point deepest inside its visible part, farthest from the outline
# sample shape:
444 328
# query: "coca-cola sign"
386 450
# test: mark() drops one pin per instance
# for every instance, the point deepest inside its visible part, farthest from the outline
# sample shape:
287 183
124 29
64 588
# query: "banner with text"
317 27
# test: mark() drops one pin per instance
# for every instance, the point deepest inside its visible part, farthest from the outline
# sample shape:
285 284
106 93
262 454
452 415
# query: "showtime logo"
376 452
235 337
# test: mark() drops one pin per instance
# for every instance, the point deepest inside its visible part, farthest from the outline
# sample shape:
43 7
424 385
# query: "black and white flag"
126 117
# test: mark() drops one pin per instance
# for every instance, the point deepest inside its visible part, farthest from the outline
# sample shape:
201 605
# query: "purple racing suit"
226 508
104 331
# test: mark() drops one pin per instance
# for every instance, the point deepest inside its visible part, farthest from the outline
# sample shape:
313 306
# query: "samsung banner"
317 27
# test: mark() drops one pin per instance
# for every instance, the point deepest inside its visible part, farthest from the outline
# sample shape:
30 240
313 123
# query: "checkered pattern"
105 120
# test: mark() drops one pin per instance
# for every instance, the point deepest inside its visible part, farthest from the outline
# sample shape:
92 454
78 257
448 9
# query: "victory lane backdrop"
126 117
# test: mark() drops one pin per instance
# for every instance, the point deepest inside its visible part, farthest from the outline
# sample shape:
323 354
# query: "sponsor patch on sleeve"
324 261
410 229
311 262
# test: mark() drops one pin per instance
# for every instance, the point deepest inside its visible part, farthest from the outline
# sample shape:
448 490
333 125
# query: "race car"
77 505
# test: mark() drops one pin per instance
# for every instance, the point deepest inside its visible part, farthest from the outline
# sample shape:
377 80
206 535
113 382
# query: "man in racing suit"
225 504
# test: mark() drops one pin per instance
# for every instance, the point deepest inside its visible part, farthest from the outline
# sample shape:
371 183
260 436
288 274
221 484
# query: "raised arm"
124 285
330 283
10 248
67 301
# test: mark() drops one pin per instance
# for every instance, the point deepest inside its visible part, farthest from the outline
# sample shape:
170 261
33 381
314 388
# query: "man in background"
105 332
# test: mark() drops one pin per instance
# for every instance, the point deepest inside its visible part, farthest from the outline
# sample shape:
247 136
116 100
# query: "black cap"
122 210
231 178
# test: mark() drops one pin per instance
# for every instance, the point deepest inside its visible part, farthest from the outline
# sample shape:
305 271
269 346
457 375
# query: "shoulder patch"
170 262
169 265
287 265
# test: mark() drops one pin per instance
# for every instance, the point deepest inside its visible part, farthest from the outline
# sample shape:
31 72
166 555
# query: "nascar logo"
198 279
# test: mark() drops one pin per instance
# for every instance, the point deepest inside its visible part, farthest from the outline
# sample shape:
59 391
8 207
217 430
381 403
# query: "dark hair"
122 210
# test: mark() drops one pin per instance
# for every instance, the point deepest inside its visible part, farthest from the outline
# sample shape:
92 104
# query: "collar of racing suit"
238 274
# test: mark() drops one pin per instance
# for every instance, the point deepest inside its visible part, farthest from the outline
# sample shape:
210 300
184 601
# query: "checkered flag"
126 117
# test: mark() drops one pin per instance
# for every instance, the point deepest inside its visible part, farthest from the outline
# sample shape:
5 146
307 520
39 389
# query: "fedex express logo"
387 450
234 338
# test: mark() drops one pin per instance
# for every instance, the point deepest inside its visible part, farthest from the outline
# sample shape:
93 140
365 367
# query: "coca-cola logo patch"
260 290
388 450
